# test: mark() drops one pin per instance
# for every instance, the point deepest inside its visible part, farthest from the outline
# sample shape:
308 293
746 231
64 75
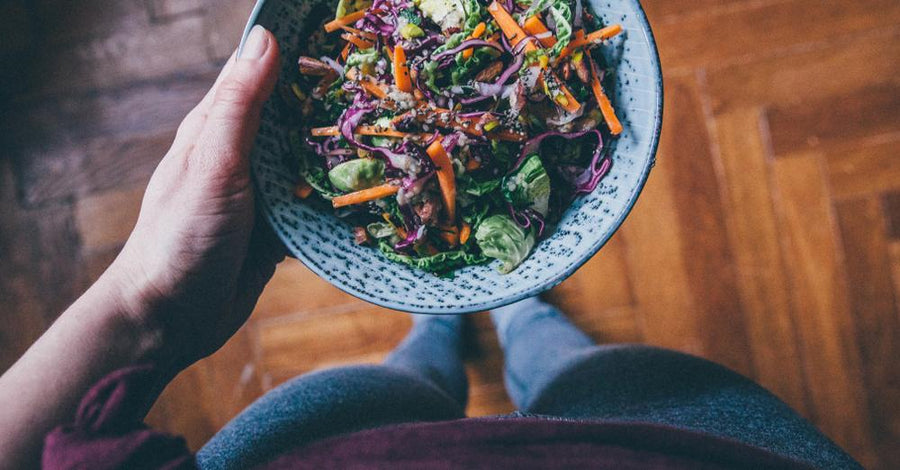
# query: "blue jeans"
552 369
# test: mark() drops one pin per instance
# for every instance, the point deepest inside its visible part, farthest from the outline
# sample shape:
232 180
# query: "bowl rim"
535 289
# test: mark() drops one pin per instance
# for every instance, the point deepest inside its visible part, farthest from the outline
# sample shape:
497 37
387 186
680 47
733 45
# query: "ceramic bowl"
325 244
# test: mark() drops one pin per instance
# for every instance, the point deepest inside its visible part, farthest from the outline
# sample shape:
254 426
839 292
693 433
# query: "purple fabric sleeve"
108 432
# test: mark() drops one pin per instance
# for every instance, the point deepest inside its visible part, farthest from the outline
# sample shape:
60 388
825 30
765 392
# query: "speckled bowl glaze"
325 244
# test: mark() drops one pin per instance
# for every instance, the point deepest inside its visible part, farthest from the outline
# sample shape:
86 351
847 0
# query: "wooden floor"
768 237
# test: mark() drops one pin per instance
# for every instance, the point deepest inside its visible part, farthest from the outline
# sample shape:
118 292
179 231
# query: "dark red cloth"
108 434
492 443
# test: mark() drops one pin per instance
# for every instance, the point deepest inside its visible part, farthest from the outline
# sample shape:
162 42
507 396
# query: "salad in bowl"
453 132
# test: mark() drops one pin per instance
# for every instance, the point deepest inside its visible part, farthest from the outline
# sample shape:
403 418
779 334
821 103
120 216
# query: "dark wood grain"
709 263
767 238
754 29
868 167
875 316
762 273
821 308
892 214
74 146
809 73
835 119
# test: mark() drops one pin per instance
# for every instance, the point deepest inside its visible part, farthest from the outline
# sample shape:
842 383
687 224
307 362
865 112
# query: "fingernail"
256 44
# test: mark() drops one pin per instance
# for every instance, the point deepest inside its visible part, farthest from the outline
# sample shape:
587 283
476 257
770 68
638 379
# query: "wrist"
129 306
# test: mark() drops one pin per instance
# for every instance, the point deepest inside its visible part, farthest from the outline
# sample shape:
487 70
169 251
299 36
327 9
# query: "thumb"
234 115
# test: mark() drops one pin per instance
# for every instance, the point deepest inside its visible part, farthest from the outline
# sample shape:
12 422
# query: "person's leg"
538 342
419 381
432 351
645 384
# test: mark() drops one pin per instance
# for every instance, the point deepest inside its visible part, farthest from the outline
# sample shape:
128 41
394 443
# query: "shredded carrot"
563 98
368 83
476 33
581 40
464 233
576 42
303 189
373 88
516 34
606 108
358 42
535 27
401 70
479 30
444 118
449 234
472 164
334 25
365 195
604 33
325 131
508 25
360 33
445 175
346 51
377 131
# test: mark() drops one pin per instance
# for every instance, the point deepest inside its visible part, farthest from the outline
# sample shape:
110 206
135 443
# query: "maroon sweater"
107 433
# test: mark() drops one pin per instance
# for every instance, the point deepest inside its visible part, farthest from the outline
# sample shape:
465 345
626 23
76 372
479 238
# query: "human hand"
197 260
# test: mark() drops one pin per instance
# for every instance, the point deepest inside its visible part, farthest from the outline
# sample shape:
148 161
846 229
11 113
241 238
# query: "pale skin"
186 280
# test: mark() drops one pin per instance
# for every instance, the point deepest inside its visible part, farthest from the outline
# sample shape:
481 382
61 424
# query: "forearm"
94 337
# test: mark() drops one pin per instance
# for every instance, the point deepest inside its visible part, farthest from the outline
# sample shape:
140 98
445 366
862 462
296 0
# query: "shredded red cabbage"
468 44
584 180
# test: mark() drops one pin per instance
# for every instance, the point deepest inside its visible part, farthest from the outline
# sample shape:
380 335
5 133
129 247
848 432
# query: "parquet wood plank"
16 31
894 254
40 274
225 23
709 263
892 212
295 289
306 341
659 11
860 168
864 60
602 283
164 10
837 119
78 144
22 307
730 253
874 316
54 171
729 35
489 400
181 407
129 52
96 262
617 325
63 22
666 312
819 297
204 397
208 394
754 238
232 377
105 220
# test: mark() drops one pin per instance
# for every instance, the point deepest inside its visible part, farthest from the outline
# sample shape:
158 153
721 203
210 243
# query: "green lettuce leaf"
440 264
529 186
501 238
